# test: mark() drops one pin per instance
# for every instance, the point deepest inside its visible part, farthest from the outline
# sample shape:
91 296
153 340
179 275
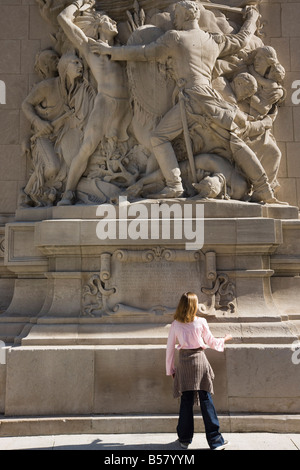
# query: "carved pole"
218 6
186 133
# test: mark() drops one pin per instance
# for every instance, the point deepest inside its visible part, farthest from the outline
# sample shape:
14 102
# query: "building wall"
23 33
283 33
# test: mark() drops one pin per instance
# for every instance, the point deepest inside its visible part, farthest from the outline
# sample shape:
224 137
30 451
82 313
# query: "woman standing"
193 378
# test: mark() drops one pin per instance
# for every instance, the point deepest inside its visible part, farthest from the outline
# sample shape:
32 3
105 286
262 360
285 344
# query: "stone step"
214 208
94 334
141 334
141 423
51 331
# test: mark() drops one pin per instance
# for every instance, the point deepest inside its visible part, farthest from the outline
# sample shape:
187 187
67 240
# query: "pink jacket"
191 335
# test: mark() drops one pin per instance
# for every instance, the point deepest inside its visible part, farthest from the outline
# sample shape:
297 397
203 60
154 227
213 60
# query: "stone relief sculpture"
172 100
58 109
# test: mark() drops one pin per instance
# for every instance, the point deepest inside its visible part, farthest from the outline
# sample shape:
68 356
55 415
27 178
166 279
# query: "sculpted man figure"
110 116
193 55
55 107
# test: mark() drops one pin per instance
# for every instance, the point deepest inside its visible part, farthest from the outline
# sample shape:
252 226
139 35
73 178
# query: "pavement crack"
297 447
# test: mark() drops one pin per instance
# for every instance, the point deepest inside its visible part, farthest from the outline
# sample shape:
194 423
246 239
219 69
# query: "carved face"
262 60
185 11
277 73
52 62
108 26
245 86
74 69
46 64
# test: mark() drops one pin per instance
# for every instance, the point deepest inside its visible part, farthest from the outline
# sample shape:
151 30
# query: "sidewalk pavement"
148 442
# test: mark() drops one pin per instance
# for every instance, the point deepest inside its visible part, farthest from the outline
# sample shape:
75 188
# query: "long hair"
89 22
187 308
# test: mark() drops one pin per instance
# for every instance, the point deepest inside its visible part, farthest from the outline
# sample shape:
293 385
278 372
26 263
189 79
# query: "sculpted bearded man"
193 54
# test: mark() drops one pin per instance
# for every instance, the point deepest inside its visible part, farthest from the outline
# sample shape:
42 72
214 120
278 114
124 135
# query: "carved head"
70 67
186 11
277 73
265 58
245 85
96 24
107 26
46 63
210 186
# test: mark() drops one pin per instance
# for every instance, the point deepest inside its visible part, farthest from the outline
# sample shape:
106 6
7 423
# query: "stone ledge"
213 208
128 334
132 424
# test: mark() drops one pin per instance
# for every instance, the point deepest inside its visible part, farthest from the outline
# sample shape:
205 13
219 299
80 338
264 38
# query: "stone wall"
283 33
23 33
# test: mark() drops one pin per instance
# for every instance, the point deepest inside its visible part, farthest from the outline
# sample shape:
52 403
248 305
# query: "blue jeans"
185 428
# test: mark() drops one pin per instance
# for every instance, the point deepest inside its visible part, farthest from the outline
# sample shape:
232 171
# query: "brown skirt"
193 372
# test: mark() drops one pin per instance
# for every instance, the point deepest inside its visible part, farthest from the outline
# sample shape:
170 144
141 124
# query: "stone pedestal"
88 320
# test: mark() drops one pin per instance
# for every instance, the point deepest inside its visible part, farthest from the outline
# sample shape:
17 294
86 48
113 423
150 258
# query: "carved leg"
92 136
169 166
167 130
248 162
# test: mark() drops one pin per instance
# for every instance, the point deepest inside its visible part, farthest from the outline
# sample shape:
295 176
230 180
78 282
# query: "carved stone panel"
156 99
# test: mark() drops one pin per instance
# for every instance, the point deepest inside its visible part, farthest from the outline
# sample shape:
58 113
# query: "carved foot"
24 200
274 200
134 190
68 199
267 200
168 193
266 196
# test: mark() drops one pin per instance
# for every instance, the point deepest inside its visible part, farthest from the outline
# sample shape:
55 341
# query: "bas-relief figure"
174 101
58 109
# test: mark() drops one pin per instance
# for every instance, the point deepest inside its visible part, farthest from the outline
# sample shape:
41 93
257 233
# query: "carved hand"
43 127
251 13
249 2
84 4
267 122
99 47
88 4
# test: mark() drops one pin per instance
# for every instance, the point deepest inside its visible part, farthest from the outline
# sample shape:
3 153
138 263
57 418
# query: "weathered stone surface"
19 48
85 321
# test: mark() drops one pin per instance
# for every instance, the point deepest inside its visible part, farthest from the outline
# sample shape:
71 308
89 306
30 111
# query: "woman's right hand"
228 338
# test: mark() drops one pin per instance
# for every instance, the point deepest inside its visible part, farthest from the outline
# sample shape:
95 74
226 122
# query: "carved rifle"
187 137
218 6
